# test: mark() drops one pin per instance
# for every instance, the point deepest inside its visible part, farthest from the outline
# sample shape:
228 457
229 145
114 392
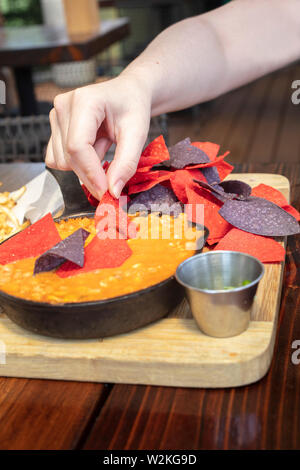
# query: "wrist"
142 77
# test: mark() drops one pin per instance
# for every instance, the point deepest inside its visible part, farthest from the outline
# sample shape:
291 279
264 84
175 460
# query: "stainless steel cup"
220 312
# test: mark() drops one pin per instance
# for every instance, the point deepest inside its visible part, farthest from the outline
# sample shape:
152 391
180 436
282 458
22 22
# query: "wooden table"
41 414
24 47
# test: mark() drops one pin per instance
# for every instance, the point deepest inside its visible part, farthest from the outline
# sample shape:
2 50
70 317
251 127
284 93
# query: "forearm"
192 61
202 57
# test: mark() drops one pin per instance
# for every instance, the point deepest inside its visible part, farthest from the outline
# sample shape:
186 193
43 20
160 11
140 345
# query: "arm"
205 56
192 61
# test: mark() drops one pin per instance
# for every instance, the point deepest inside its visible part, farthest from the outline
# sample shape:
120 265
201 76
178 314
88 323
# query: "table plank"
257 123
288 141
246 121
39 414
269 124
263 415
259 416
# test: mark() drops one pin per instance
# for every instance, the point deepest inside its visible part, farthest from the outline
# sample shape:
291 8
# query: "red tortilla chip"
106 165
217 226
271 194
265 249
209 148
110 216
158 149
213 241
156 152
268 192
224 169
99 254
291 210
145 164
92 200
198 195
212 150
143 177
147 180
30 242
181 179
210 164
187 191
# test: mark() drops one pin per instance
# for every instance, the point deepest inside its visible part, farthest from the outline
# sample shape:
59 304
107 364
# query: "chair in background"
25 139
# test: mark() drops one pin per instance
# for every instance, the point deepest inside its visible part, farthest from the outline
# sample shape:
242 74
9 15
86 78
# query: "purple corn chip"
183 154
156 199
239 188
216 189
234 189
69 249
259 216
211 174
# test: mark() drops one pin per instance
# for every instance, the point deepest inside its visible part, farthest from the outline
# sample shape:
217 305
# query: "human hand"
84 124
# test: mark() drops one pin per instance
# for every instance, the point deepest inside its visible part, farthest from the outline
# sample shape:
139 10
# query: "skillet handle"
74 198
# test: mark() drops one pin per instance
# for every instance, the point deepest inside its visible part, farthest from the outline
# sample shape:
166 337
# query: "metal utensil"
218 311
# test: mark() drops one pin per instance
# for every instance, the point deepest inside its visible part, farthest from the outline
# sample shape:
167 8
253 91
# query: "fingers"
74 126
59 117
57 143
130 144
84 124
85 121
55 153
102 146
50 161
62 106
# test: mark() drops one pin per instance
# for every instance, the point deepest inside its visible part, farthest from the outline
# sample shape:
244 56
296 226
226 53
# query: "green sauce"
244 283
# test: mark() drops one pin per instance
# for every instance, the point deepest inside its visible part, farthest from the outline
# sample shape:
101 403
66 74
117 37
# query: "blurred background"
48 47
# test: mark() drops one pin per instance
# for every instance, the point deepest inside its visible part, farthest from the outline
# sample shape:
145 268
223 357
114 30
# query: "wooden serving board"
171 352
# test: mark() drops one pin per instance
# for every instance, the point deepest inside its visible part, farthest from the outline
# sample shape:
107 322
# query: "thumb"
128 151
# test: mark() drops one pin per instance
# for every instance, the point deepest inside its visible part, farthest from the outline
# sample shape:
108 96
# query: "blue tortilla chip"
259 216
233 189
211 174
240 189
184 153
69 249
216 190
157 199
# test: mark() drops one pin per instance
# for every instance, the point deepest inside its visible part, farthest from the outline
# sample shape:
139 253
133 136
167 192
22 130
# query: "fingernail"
117 188
98 192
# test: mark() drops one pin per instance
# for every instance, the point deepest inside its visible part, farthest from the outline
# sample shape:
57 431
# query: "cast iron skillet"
95 319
